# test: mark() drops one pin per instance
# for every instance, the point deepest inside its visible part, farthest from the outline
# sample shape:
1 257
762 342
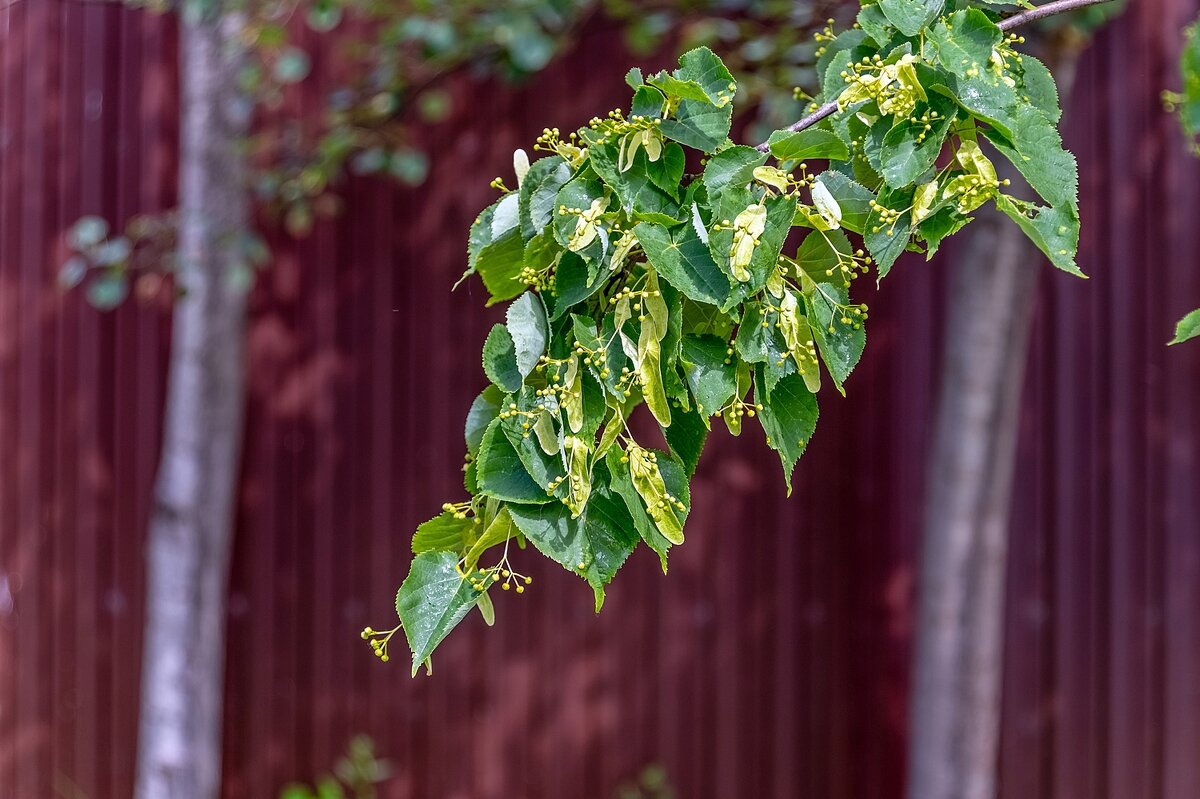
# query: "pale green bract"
635 284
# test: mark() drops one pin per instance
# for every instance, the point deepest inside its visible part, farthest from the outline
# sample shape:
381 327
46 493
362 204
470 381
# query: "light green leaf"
659 502
1054 230
1188 328
497 532
443 532
500 359
1036 151
650 377
538 191
964 40
526 320
910 16
432 601
852 198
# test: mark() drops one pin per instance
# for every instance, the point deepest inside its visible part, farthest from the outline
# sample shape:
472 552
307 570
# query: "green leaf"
822 255
501 473
675 478
964 41
935 228
886 242
686 437
573 283
1039 86
1188 328
1055 231
733 166
684 261
495 249
876 24
910 16
443 532
853 198
593 546
699 125
710 372
538 191
840 343
1036 151
674 87
484 409
580 192
498 531
703 67
788 417
811 143
667 171
652 488
526 320
638 194
780 212
432 601
543 467
906 158
500 360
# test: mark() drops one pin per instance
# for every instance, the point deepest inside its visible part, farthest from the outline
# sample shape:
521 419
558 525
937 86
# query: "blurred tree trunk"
955 717
179 746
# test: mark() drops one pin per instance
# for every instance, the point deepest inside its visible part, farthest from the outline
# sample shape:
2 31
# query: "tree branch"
1016 20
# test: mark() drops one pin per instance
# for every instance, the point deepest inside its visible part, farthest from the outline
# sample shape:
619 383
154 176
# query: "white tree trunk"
955 720
954 724
179 736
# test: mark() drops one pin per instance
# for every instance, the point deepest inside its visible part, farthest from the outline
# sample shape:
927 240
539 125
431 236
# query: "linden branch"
1006 24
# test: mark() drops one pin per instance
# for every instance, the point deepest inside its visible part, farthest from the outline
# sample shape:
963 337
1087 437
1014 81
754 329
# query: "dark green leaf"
684 261
833 326
805 144
501 474
710 372
484 409
789 417
733 166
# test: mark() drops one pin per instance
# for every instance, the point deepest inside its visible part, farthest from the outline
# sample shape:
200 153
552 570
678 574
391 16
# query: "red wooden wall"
772 661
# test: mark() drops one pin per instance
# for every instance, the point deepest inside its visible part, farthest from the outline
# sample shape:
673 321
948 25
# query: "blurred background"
774 659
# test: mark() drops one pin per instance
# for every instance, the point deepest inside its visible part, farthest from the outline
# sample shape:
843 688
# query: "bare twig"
1016 20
